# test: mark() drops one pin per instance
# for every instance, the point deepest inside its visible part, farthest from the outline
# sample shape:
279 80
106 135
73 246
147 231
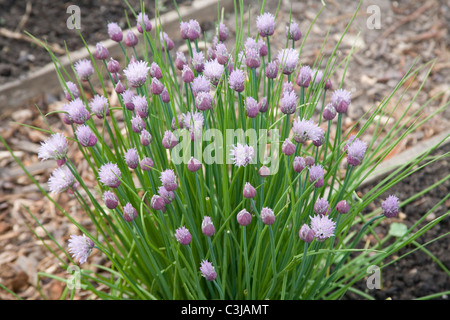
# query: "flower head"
267 216
193 30
85 136
222 32
194 164
111 200
304 76
155 71
323 227
54 147
265 24
316 175
293 31
299 164
288 148
131 40
390 206
136 73
71 89
101 53
305 130
288 102
143 22
169 180
252 107
115 32
137 124
321 206
77 112
141 105
109 175
272 69
288 59
252 58
183 235
208 227
306 233
244 218
329 112
198 61
242 155
132 158
341 99
203 101
207 270
236 80
99 106
355 151
249 191
169 140
80 247
342 207
84 69
61 179
129 212
213 71
167 44
167 196
157 202
187 75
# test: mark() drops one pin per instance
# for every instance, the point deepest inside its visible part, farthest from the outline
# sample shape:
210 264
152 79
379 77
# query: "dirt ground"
410 31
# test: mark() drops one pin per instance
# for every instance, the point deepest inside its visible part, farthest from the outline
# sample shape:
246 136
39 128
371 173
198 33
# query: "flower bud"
157 202
194 164
288 148
183 236
111 200
129 212
101 53
264 171
244 218
208 227
267 216
306 233
343 207
249 191
146 164
299 164
169 140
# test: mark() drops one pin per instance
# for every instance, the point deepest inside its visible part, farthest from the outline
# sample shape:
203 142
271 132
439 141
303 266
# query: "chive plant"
223 172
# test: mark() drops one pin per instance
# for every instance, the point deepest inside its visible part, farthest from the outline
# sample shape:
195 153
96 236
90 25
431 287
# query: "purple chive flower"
252 107
320 137
252 58
169 180
249 191
136 73
168 196
61 179
208 227
169 140
101 52
244 217
146 164
141 106
222 55
237 80
109 174
187 75
299 164
145 137
242 155
343 207
194 30
355 152
143 23
309 161
183 236
341 99
110 199
272 69
184 28
131 40
194 123
165 97
77 111
137 124
54 148
293 31
288 102
265 24
180 60
288 59
304 76
132 158
263 50
127 97
213 71
85 136
207 270
84 69
323 227
80 247
329 112
115 32
306 233
119 88
263 105
156 87
288 148
129 212
203 101
167 44
316 175
155 71
194 164
305 130
328 85
317 75
198 61
157 202
288 87
321 206
390 206
267 216
99 106
71 89
200 84
179 118
264 171
222 32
